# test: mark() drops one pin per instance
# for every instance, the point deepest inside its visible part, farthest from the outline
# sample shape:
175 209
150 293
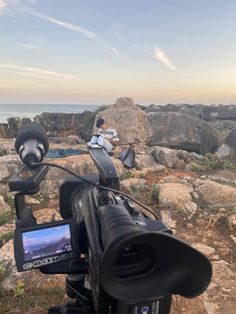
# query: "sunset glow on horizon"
78 52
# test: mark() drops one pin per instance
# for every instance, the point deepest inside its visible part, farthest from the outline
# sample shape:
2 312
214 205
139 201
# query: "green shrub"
5 218
6 269
10 200
128 175
139 188
213 162
5 237
153 195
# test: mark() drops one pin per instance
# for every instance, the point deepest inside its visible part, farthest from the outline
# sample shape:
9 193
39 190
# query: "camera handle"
24 213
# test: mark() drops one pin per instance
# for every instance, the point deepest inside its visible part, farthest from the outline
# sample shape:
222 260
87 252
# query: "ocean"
30 111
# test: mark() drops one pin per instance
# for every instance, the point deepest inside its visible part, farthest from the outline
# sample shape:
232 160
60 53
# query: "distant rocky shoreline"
59 123
194 128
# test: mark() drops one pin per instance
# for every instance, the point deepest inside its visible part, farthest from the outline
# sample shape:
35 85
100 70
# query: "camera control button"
27 266
72 254
55 258
37 263
47 261
64 257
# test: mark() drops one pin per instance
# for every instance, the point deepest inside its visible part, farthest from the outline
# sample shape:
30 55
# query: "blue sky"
77 52
36 237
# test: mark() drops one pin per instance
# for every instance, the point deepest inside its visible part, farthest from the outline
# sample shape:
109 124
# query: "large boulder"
67 123
173 158
9 165
184 131
3 130
228 147
177 196
217 195
15 124
80 164
128 119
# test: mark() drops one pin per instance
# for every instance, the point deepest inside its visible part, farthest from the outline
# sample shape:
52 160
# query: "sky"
92 52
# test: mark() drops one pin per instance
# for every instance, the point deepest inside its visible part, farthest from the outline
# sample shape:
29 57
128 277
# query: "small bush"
127 175
7 236
7 217
6 269
213 162
153 195
3 151
142 176
139 188
10 200
19 288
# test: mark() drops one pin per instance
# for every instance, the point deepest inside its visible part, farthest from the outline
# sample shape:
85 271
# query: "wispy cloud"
143 49
109 47
35 43
158 54
69 26
75 28
30 46
162 57
41 73
50 19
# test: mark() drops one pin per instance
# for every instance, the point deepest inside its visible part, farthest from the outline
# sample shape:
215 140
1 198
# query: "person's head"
100 124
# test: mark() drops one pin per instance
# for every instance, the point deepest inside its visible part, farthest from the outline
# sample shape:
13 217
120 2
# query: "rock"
167 220
128 119
177 130
172 158
172 179
33 278
231 139
4 207
67 123
128 185
233 238
221 271
154 170
15 124
219 297
224 151
47 215
217 195
9 165
204 249
177 196
228 148
65 141
144 161
3 130
232 222
31 200
80 164
7 253
211 112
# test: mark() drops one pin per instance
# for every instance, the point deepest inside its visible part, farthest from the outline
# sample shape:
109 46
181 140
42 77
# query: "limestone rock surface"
128 119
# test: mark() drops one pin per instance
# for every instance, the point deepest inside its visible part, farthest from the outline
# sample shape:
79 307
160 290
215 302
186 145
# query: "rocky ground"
200 208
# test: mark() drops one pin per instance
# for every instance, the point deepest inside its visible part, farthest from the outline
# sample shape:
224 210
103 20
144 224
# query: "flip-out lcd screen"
45 242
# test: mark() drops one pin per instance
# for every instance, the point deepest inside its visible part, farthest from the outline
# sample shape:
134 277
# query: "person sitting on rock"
105 136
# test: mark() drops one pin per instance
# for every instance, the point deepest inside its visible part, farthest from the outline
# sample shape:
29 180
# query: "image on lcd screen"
46 242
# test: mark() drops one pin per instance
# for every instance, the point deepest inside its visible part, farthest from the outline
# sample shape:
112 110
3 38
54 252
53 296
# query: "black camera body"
133 263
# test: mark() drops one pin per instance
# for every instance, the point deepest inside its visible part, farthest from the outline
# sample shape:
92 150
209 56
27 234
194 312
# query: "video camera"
117 259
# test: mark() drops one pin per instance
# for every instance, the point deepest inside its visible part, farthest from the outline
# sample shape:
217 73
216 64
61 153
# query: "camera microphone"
31 144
